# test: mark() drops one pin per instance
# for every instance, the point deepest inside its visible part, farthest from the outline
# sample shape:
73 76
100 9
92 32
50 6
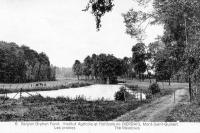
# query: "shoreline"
44 88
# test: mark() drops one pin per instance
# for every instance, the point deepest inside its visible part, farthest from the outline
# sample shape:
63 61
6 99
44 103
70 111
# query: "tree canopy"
139 57
22 64
102 67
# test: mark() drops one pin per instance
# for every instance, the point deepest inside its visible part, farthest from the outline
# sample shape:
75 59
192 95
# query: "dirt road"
158 110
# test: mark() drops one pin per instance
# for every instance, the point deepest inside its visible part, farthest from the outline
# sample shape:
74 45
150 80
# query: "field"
64 109
38 108
42 86
163 85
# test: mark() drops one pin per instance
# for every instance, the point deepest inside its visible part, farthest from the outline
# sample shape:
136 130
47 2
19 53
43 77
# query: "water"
92 92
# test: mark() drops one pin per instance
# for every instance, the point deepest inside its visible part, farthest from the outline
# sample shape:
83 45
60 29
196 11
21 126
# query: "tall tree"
87 66
77 68
94 66
138 58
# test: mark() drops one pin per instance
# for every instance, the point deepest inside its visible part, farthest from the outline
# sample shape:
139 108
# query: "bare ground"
156 111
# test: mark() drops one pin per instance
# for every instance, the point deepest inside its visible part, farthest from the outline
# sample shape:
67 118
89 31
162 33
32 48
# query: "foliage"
101 67
99 8
22 64
77 68
154 88
181 36
185 113
65 109
121 94
154 50
165 65
139 57
87 64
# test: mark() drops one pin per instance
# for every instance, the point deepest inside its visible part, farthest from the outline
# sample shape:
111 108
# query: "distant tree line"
103 68
22 64
64 72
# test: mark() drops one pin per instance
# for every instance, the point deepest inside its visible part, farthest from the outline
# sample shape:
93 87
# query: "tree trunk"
169 82
190 89
149 78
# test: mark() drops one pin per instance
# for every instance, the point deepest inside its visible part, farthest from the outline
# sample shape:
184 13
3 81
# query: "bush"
121 94
154 88
149 96
3 98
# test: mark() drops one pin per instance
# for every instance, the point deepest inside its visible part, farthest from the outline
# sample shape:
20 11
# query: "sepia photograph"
115 61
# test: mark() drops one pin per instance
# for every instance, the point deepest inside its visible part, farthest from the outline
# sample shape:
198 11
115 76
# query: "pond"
92 92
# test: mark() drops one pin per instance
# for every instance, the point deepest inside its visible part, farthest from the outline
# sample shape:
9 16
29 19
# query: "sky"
64 32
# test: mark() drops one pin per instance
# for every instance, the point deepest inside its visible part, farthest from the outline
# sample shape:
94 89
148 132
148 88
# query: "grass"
139 86
61 86
38 108
163 85
185 113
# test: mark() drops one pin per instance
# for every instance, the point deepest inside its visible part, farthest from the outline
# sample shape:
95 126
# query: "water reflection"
92 92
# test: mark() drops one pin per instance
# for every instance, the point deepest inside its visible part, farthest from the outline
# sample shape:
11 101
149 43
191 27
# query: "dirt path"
157 111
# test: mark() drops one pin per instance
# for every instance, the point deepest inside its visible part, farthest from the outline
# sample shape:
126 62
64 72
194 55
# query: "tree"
109 67
126 67
99 8
43 66
77 68
22 64
103 67
94 66
138 58
87 66
181 22
153 49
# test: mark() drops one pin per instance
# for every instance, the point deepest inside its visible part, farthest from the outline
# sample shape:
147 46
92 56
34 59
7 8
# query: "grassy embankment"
38 108
186 111
166 89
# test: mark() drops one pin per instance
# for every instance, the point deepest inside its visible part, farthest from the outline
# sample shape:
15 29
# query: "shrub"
154 88
121 94
149 96
8 116
4 98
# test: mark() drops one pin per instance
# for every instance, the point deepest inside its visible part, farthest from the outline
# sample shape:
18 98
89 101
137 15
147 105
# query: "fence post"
5 93
20 93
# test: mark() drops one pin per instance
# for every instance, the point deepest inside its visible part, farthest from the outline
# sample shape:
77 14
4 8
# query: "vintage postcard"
99 65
